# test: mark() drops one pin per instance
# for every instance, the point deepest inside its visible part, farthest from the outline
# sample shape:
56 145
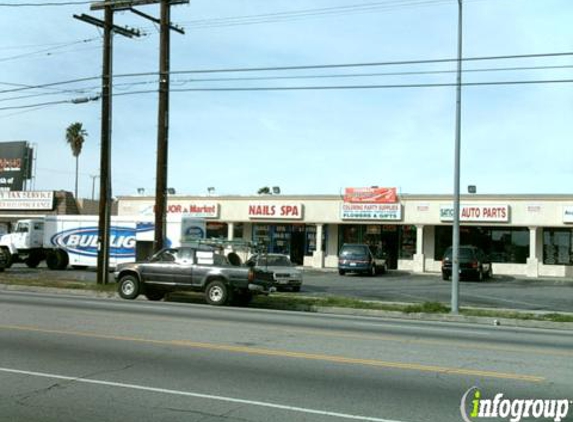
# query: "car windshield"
465 253
275 261
353 251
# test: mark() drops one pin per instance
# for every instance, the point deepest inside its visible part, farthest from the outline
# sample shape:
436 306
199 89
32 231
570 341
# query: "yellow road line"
291 354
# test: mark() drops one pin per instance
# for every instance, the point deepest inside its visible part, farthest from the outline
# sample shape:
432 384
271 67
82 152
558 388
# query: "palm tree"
75 136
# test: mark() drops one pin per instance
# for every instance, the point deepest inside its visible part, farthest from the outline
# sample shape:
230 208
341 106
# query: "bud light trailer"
74 240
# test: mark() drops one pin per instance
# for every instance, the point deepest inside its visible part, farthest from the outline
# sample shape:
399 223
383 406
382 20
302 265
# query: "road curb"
69 292
492 321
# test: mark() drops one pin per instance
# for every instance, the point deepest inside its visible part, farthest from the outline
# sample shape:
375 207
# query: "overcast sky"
515 138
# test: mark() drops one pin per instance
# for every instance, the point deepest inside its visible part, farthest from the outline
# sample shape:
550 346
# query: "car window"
353 251
275 261
166 255
465 253
219 259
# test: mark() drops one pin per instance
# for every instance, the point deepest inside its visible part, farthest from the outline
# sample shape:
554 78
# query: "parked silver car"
285 273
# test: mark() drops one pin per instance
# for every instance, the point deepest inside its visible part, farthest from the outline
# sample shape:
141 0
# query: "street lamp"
456 228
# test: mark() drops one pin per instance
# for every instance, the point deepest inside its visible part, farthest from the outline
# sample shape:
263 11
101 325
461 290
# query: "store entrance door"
391 245
297 247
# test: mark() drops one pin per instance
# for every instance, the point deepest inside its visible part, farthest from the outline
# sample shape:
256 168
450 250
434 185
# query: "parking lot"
504 292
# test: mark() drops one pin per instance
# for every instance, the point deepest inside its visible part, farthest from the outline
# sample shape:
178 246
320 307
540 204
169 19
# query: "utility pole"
162 127
105 155
456 224
93 177
165 27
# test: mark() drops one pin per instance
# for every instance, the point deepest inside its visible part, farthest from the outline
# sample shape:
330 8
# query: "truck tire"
242 298
8 257
129 287
57 260
33 260
217 293
153 294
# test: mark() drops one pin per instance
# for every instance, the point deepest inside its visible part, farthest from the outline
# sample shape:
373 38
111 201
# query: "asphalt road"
551 295
78 359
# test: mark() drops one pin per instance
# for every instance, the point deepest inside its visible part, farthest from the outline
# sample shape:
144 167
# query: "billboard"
373 195
15 165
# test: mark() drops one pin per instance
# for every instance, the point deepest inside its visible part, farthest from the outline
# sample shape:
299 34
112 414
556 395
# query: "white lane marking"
197 395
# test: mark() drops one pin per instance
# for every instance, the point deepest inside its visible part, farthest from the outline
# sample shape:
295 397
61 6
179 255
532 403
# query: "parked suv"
473 261
358 257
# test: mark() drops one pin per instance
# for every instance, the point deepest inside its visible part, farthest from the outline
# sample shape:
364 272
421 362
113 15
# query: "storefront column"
419 261
230 231
318 254
533 260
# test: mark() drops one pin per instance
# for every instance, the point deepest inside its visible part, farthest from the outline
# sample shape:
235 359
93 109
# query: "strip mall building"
527 235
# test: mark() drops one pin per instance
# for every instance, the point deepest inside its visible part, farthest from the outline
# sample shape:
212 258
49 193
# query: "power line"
302 14
308 88
45 4
301 67
372 64
124 86
52 44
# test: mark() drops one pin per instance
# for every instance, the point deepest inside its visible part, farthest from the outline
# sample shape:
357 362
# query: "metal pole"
456 228
105 159
163 127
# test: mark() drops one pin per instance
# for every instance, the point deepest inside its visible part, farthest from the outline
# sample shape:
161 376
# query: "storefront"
530 235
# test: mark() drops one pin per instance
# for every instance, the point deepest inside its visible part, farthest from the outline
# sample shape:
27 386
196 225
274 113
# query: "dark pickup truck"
192 269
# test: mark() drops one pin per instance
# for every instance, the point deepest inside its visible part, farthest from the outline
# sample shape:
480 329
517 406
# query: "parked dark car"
474 263
192 269
359 258
285 273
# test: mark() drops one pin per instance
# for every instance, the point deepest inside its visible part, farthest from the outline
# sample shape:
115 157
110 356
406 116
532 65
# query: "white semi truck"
73 240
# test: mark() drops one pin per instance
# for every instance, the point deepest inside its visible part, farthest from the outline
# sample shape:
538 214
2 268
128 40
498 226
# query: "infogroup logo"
514 410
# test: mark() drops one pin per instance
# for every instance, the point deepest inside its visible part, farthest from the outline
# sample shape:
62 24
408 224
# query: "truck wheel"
242 298
152 294
57 260
129 287
217 293
33 260
8 256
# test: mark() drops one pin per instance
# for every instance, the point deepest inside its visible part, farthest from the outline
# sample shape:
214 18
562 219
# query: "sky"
515 138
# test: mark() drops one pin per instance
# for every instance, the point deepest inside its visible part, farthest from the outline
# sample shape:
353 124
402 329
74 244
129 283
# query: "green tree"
264 191
75 137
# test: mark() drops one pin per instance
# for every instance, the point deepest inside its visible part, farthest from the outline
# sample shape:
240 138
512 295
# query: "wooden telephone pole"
105 155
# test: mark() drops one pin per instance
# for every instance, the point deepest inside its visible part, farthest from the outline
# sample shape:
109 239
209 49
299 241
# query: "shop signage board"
191 209
26 200
275 211
374 195
568 214
390 212
493 213
15 165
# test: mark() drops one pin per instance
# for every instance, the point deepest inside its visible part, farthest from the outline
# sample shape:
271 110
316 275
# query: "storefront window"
557 247
216 230
407 242
349 234
288 239
238 229
310 243
396 241
509 245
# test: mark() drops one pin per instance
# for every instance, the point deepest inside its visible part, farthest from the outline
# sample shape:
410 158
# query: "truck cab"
25 243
